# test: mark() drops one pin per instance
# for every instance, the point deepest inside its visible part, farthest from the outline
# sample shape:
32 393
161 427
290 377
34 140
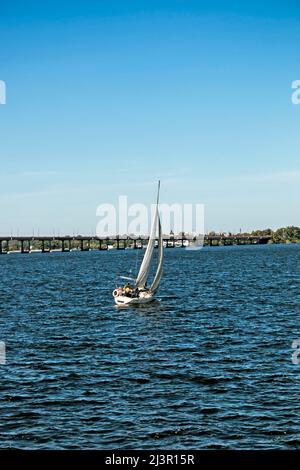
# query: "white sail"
142 294
157 277
145 266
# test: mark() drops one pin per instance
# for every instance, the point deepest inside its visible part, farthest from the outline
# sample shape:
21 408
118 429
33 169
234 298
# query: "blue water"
207 367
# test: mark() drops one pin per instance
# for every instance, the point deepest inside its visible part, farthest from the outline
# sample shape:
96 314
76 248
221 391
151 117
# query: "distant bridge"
46 244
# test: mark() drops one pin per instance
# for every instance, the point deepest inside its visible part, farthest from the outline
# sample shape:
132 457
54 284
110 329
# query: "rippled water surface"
208 366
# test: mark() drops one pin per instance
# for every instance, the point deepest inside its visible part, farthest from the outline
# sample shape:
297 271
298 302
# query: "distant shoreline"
47 244
67 243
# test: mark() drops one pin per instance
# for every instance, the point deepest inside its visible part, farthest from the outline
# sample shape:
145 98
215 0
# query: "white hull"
126 300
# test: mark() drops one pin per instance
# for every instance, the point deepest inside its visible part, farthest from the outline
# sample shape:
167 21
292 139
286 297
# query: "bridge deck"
25 244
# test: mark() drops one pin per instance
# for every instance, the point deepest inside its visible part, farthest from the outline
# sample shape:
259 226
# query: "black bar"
155 459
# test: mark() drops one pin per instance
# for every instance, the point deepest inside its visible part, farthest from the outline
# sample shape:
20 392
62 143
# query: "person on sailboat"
128 290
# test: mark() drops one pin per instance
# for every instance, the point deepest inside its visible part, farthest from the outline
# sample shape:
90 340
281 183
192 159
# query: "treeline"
282 235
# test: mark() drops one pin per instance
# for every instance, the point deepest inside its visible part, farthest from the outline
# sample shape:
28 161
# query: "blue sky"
105 97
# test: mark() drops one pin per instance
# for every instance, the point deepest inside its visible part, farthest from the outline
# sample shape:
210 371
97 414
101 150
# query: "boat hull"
126 300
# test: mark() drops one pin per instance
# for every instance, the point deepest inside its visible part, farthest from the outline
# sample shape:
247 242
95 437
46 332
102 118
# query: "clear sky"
104 97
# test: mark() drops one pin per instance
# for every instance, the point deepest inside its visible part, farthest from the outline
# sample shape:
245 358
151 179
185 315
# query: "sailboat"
139 293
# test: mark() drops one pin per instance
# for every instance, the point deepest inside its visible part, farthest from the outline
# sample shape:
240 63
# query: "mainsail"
157 277
142 276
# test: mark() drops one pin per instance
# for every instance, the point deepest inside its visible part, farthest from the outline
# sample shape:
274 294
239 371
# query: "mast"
158 190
